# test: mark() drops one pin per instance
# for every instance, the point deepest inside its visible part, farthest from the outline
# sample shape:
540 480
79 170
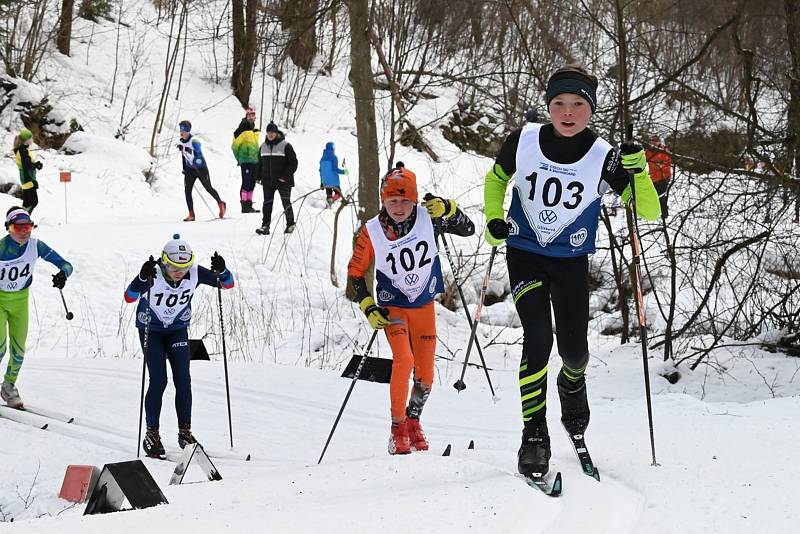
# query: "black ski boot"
264 230
152 443
574 405
185 436
250 208
533 457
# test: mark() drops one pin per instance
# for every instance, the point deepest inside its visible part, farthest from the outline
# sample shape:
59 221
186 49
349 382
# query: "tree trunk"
65 27
792 8
244 48
361 78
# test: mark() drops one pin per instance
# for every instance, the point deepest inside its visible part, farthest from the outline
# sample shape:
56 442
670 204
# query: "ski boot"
190 217
289 229
574 405
10 394
222 207
249 207
152 443
398 439
533 457
185 436
415 435
264 230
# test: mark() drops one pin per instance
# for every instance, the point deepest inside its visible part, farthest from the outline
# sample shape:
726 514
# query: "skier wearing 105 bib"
18 254
560 172
401 242
172 281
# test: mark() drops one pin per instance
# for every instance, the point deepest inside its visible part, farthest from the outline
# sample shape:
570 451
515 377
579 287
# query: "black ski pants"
285 192
167 346
537 282
189 177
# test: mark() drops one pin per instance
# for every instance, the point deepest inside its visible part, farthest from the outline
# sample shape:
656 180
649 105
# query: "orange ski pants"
412 337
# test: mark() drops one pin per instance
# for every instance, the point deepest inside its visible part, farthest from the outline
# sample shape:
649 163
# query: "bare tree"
65 26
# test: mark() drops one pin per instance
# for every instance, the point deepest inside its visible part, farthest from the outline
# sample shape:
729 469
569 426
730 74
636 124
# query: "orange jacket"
659 163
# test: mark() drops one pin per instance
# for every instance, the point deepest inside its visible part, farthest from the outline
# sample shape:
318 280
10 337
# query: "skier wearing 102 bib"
560 172
401 242
172 281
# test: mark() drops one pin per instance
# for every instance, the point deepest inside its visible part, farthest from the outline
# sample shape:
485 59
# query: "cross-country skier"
329 172
560 171
27 165
172 281
401 242
18 254
195 168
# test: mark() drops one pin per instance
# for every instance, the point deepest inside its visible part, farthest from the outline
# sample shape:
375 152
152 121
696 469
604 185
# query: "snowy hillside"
723 434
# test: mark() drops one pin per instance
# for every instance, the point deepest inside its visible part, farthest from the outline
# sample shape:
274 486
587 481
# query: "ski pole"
224 357
69 313
203 199
636 274
439 233
459 384
349 391
144 361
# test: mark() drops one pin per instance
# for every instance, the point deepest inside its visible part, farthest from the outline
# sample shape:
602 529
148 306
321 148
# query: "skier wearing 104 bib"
18 254
401 242
172 281
560 171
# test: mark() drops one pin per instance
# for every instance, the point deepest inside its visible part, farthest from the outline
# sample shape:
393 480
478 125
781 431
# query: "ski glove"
633 158
148 270
38 165
378 317
496 232
217 263
439 207
59 280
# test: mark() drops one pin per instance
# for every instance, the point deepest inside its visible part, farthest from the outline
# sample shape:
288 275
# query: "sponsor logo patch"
578 238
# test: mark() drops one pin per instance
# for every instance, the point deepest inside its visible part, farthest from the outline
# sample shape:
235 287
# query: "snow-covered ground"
723 433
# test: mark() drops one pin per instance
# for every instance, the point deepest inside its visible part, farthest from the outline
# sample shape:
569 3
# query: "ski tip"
557 483
471 445
596 474
45 426
247 459
446 450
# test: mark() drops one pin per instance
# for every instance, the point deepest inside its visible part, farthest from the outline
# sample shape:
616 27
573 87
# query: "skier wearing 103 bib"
560 172
172 281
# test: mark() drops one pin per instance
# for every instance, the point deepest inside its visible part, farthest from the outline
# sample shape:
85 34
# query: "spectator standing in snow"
195 168
245 150
18 254
277 164
329 172
659 164
164 289
27 165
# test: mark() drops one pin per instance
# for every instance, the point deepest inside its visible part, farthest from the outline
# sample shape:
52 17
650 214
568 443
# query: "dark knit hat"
272 127
572 79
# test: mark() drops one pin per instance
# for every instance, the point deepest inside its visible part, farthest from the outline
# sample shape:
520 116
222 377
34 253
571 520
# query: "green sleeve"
647 205
494 192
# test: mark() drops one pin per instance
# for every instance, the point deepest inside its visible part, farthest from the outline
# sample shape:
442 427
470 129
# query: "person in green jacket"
18 254
245 149
27 165
560 171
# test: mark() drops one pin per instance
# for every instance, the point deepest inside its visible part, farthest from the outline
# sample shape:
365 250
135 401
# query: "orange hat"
399 182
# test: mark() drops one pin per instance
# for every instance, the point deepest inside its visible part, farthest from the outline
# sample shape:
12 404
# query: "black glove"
498 228
59 280
35 184
217 263
38 165
148 270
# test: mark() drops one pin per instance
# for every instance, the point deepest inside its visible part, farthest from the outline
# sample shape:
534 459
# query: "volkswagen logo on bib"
547 216
412 279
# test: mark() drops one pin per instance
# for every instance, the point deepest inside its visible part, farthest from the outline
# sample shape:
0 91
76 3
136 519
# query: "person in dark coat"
277 164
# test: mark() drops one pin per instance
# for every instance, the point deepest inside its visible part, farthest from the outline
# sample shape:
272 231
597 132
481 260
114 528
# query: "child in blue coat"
329 172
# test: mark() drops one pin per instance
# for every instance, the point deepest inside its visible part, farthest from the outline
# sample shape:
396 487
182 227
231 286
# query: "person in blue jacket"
168 284
329 172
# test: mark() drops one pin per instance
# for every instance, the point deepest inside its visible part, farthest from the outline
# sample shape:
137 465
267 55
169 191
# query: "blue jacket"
329 170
